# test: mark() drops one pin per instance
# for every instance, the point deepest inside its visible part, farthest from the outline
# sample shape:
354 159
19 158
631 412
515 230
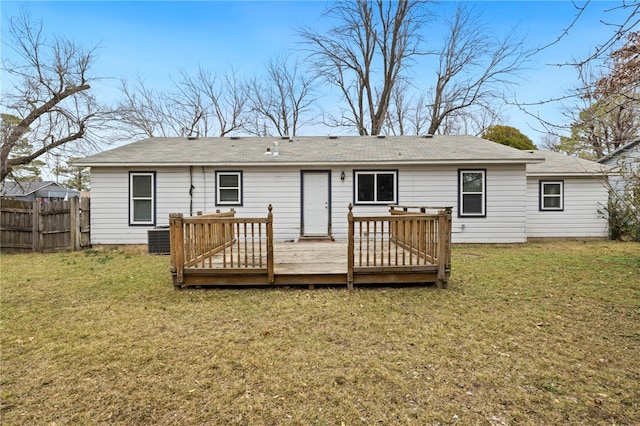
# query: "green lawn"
526 334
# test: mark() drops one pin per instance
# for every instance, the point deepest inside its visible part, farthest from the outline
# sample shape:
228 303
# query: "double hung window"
142 198
228 188
472 193
551 195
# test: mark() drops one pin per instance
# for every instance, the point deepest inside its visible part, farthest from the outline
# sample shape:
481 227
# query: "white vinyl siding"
110 201
582 216
281 186
628 161
437 186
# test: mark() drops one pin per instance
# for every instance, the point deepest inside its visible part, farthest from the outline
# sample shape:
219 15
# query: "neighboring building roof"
620 151
352 150
42 188
556 164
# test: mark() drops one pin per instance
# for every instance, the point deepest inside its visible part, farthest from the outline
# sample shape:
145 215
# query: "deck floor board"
306 258
310 257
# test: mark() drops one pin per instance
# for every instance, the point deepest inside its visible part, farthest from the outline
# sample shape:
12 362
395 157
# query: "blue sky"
156 39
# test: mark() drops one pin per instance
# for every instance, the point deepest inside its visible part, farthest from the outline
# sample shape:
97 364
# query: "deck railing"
404 241
240 244
404 246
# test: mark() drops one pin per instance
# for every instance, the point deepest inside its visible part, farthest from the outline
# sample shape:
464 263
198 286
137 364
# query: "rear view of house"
311 181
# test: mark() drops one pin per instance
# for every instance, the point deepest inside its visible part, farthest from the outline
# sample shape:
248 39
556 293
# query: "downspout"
191 188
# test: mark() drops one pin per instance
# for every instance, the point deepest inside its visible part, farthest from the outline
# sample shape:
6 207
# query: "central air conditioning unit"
158 240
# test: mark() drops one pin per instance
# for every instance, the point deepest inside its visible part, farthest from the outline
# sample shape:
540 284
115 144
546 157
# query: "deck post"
443 246
270 271
350 249
176 241
448 212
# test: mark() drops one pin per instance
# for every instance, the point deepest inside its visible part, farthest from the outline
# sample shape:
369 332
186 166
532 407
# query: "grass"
526 334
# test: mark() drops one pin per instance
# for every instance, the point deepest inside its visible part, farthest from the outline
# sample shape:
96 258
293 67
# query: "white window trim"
462 193
375 174
543 196
218 187
132 220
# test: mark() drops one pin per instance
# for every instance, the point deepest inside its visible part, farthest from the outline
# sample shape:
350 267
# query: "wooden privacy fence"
241 245
33 226
406 242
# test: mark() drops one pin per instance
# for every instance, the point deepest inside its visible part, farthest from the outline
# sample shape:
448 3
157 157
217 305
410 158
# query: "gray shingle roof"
561 164
45 188
309 150
620 151
11 188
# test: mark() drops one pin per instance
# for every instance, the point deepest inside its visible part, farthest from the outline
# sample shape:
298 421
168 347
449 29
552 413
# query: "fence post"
176 241
84 214
35 226
350 253
74 224
270 272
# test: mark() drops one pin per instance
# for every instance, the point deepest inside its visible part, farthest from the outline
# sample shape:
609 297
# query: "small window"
228 188
472 193
552 195
142 198
376 187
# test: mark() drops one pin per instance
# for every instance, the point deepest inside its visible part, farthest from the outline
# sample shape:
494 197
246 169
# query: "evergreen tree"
507 135
24 172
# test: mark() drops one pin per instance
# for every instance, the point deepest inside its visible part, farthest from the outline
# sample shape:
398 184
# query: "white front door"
315 204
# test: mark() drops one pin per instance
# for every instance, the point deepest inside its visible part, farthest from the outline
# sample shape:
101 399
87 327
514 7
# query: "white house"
626 157
498 194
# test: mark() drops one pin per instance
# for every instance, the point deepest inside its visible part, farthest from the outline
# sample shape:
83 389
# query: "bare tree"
51 94
471 121
407 113
549 142
605 112
473 68
202 104
621 30
144 110
280 99
365 54
208 105
399 111
617 80
410 114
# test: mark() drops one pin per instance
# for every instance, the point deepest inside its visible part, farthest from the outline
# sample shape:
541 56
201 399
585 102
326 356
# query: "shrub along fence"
33 226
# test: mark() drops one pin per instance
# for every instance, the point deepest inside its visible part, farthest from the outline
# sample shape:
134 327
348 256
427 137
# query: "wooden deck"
222 250
304 263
